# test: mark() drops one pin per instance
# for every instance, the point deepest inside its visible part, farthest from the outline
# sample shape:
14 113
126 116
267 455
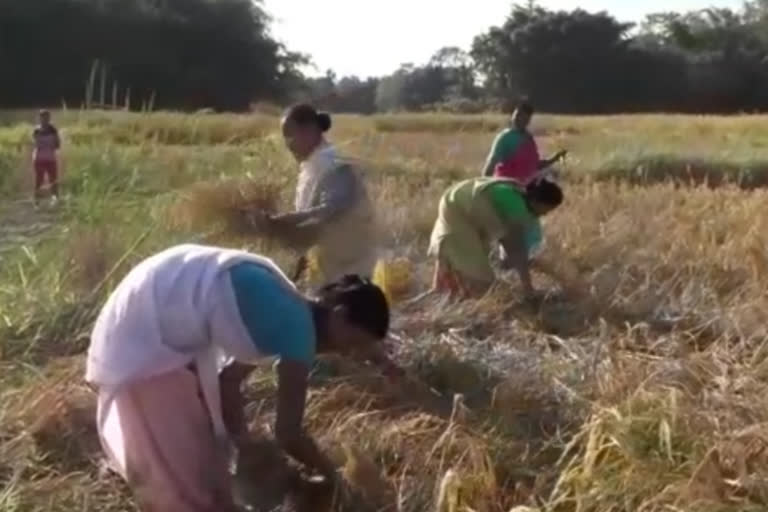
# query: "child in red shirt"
47 143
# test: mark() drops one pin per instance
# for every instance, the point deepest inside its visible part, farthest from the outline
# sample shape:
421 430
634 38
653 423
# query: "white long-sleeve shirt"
330 193
174 308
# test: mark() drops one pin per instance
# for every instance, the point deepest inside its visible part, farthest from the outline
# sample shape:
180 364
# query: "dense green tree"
184 53
570 62
356 95
713 60
725 56
190 54
458 71
391 90
448 76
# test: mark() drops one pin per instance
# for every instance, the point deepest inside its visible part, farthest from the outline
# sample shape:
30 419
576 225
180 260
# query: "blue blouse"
278 320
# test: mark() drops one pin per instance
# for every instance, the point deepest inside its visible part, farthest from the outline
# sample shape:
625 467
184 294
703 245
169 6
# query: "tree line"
181 53
712 60
191 54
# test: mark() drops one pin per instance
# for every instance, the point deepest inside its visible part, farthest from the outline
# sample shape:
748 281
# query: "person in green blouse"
477 212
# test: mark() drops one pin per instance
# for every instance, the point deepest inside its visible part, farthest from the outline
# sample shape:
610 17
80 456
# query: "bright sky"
372 38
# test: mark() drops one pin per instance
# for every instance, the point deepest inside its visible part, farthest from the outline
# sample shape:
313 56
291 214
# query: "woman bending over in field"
515 154
476 212
172 345
333 214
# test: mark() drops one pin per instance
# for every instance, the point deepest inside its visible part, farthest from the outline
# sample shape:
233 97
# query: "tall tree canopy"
191 54
713 60
185 53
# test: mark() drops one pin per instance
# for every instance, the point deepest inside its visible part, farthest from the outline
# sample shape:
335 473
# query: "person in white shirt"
333 214
171 346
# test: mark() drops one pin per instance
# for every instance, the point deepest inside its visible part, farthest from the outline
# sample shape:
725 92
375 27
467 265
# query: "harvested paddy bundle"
222 207
240 210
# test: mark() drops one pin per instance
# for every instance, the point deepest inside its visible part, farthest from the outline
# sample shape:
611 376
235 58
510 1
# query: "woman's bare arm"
338 195
232 401
517 255
543 164
289 431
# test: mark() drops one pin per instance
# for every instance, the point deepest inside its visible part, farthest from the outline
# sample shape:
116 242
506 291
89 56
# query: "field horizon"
640 384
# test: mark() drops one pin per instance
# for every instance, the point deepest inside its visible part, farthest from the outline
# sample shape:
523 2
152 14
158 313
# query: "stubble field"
640 384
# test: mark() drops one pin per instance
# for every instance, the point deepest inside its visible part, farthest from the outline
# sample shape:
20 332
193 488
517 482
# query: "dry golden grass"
90 256
640 384
222 206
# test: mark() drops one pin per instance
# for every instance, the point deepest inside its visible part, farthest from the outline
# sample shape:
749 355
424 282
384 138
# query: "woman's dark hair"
304 114
365 303
546 192
525 107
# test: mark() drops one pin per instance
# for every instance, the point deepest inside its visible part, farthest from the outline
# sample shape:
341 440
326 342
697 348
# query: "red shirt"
46 143
523 164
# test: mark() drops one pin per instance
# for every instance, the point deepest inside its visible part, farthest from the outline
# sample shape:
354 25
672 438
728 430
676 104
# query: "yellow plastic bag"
393 276
314 274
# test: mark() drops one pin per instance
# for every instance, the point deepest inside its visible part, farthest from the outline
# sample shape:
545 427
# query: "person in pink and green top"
514 154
